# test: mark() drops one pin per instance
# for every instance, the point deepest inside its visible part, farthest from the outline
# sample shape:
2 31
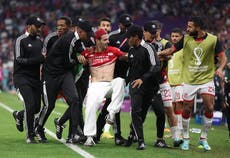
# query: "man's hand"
166 52
82 59
136 83
44 54
219 72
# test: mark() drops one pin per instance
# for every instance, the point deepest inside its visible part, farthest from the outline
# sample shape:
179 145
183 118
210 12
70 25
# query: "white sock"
179 124
107 127
185 123
112 116
175 131
206 127
179 121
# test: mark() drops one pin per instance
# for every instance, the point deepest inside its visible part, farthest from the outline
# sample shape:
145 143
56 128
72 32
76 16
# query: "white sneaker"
89 142
204 144
185 144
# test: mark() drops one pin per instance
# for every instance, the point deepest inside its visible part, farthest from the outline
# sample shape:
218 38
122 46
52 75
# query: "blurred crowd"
14 12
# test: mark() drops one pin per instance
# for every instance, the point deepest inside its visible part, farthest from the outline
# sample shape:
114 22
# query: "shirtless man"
101 60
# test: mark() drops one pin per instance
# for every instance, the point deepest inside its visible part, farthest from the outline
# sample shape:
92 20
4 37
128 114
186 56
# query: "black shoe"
119 140
30 140
129 141
135 139
140 145
177 143
161 144
40 133
80 139
19 121
68 140
59 128
96 140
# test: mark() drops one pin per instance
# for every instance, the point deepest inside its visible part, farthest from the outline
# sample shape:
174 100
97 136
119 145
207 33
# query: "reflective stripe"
17 45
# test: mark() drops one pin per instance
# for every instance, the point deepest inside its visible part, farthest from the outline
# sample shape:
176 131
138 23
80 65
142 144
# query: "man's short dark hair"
198 21
67 20
177 30
85 25
134 30
104 19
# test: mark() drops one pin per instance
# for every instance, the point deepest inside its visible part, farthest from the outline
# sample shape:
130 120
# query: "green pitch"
13 145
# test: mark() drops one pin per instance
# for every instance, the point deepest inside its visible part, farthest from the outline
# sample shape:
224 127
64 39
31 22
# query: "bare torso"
102 73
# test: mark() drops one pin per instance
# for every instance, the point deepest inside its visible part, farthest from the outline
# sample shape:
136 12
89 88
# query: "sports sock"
107 127
185 123
174 132
206 127
179 121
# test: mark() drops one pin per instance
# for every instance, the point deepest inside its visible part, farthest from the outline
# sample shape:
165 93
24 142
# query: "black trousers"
31 95
227 108
158 108
51 87
141 98
82 86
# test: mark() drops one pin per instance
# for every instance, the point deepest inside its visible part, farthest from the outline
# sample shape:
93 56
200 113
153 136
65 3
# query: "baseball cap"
158 24
150 27
77 20
34 20
125 20
99 33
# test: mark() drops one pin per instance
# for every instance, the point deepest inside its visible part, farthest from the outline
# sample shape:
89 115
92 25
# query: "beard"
193 33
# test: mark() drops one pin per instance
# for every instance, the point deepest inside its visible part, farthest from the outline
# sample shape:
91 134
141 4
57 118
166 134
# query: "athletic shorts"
166 94
190 91
177 93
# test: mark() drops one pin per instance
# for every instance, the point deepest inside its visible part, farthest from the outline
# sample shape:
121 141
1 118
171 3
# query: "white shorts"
190 91
177 93
166 94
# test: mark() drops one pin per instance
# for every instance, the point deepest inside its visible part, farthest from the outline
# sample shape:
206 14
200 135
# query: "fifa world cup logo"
198 53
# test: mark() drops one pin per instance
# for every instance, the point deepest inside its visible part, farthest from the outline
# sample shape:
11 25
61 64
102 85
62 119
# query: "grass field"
13 145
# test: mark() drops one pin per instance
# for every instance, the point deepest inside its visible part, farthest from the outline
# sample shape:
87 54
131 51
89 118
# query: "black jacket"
27 59
143 63
61 58
119 40
49 41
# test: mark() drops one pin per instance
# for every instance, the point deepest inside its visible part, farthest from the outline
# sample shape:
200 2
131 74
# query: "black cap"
134 30
77 20
158 24
125 20
150 27
34 20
